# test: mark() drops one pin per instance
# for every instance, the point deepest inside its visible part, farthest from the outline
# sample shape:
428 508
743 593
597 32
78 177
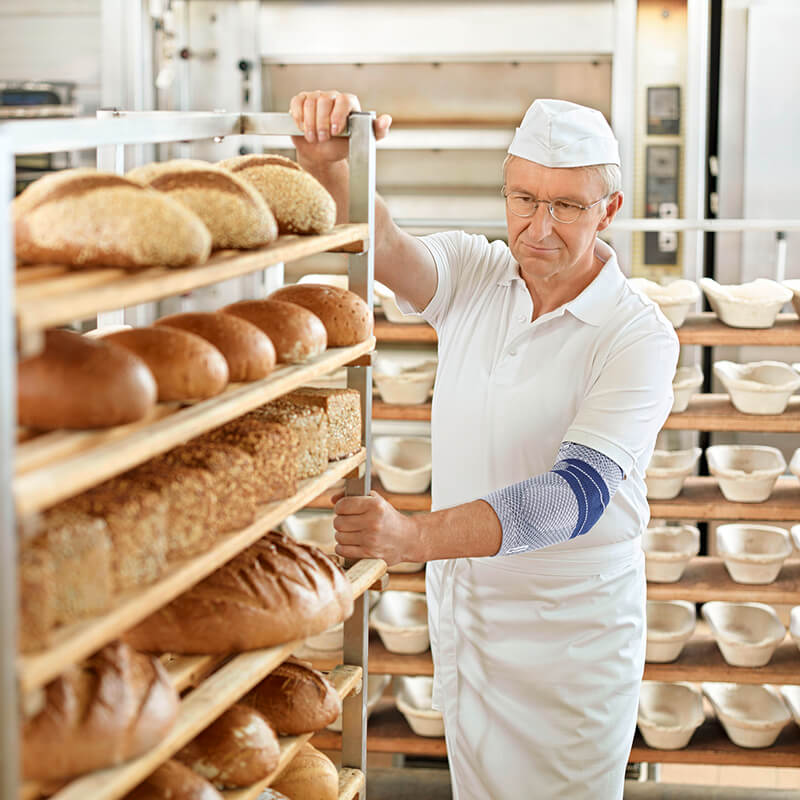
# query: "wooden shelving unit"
407 581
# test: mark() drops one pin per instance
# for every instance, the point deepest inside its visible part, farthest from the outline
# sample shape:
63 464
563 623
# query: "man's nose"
540 223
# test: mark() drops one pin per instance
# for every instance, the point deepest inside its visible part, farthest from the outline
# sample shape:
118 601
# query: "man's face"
543 247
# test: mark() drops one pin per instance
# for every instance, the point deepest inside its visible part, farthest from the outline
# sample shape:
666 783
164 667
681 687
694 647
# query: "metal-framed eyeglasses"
561 209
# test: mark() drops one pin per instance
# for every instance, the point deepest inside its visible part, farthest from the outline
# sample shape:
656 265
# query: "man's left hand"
369 527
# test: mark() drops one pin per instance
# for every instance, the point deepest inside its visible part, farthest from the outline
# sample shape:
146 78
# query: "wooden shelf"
75 642
416 412
702 499
706 329
381 661
403 502
706 578
404 332
715 412
407 581
51 295
57 465
711 745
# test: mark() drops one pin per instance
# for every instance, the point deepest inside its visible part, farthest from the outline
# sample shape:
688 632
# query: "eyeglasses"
561 210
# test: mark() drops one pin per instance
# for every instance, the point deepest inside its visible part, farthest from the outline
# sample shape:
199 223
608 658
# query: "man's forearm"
471 530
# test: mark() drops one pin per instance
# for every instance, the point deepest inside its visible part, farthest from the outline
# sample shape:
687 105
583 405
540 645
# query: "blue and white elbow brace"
561 504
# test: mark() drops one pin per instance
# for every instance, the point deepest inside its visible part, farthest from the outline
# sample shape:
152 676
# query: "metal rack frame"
110 133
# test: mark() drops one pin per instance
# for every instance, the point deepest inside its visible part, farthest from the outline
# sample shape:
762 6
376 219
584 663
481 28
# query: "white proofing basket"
753 553
675 299
312 528
401 620
670 624
407 383
402 463
747 634
794 626
667 471
758 387
747 305
413 698
745 473
669 714
391 309
791 696
667 551
751 715
686 382
376 685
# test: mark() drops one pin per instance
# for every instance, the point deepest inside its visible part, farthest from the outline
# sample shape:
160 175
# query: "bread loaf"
297 333
87 218
114 707
238 749
300 203
174 781
36 581
185 366
82 383
346 317
310 775
249 351
274 592
296 699
343 410
235 213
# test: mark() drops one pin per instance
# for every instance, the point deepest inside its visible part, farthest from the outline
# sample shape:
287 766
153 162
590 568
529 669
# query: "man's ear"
614 205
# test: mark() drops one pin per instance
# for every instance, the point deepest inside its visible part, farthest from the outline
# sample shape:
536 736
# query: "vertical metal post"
780 256
360 273
9 724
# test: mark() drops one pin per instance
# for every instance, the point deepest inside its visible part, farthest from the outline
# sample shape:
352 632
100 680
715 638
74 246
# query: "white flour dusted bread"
236 215
300 203
86 218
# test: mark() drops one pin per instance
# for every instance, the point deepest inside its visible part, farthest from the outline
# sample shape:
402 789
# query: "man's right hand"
321 115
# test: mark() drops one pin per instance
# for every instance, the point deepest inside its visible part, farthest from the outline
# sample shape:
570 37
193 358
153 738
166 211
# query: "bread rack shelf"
51 295
58 465
407 581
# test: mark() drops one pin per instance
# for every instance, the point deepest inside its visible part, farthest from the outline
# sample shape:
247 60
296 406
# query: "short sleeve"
631 398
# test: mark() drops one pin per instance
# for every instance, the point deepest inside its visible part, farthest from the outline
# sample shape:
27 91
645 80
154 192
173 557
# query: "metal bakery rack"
41 471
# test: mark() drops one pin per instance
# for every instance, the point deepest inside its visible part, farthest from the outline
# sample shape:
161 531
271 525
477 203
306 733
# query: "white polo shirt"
597 371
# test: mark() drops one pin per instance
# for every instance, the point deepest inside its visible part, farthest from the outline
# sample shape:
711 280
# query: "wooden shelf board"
397 332
706 329
407 581
57 465
715 412
702 499
706 578
80 640
49 295
417 412
403 502
381 661
185 672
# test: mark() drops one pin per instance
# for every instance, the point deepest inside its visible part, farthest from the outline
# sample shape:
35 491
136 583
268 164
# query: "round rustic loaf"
174 781
85 218
297 333
296 699
300 203
82 383
234 212
310 775
346 317
185 366
247 349
238 749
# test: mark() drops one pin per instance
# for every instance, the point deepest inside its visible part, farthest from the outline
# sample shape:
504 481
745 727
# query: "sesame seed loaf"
346 317
300 203
36 580
275 591
311 427
85 218
343 410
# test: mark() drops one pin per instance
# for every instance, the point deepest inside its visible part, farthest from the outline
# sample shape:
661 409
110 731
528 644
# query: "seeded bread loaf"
238 749
36 582
114 707
300 203
249 351
85 218
236 215
310 775
174 781
296 332
82 383
276 591
343 410
185 366
346 317
296 699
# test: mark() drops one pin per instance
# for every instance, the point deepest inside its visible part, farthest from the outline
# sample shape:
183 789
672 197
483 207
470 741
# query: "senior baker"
554 379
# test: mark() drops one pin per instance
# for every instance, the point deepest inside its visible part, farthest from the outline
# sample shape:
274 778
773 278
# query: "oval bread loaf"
346 317
297 333
174 781
82 383
234 212
185 366
300 203
247 349
296 699
238 749
86 218
310 775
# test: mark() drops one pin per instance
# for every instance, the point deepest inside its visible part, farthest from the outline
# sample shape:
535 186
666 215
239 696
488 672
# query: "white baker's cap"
557 133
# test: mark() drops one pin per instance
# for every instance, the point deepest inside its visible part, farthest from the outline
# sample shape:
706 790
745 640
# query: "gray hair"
610 174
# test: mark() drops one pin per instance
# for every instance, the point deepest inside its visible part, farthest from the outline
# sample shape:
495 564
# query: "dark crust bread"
174 781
